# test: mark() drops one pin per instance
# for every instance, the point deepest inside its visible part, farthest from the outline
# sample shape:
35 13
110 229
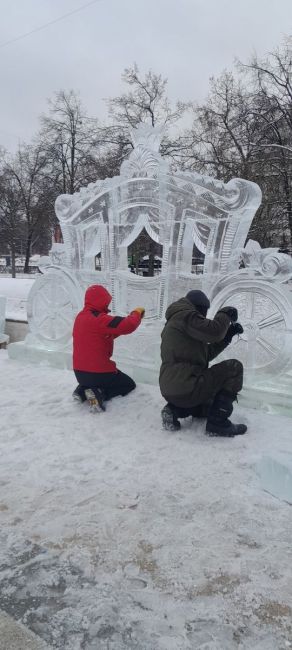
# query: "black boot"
96 399
169 419
79 394
218 423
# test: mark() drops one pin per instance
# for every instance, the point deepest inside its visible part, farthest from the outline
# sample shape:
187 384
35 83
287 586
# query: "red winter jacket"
94 332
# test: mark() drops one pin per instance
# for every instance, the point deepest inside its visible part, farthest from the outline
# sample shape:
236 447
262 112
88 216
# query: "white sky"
184 40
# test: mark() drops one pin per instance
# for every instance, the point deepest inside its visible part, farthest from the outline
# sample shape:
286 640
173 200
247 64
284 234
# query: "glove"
140 311
231 312
233 329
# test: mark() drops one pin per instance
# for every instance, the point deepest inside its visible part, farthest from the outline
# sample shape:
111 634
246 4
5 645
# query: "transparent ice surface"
276 475
4 338
179 210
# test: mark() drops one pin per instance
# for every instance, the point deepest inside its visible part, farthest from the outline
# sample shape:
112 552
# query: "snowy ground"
117 535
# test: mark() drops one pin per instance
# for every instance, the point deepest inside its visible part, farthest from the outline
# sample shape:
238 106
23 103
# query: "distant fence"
19 269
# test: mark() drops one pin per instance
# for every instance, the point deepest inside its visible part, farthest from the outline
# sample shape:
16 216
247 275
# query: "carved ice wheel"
53 302
265 313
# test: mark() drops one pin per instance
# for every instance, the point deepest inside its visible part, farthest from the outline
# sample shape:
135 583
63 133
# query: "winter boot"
96 399
218 423
79 394
169 419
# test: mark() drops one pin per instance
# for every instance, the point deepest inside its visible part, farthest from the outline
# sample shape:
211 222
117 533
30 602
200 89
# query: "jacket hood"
97 297
182 305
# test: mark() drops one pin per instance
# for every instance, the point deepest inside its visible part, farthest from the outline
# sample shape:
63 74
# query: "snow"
16 291
15 636
118 535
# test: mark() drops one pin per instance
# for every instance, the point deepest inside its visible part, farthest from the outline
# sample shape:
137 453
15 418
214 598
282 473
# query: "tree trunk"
151 260
64 177
137 258
13 269
27 253
72 174
289 211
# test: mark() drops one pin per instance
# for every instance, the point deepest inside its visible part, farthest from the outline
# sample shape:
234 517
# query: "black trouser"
200 411
111 383
227 376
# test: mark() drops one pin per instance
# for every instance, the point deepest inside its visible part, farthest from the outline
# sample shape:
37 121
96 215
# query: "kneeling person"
94 333
190 341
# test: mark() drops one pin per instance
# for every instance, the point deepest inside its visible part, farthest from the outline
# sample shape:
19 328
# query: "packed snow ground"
118 535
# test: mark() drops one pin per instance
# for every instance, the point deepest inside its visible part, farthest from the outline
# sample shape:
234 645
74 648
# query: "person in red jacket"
94 333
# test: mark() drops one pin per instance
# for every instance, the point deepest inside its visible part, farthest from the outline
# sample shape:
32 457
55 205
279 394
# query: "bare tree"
70 138
244 129
145 101
272 83
28 169
11 220
224 134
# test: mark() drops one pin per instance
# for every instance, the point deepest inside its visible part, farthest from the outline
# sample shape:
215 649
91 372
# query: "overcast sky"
184 40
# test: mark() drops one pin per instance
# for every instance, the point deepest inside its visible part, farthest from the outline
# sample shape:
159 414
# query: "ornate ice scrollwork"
276 265
265 311
267 261
53 303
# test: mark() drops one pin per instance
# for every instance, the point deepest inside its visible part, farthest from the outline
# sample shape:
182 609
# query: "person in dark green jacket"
189 341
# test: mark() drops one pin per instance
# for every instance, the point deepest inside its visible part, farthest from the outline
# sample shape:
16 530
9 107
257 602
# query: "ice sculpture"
276 475
178 210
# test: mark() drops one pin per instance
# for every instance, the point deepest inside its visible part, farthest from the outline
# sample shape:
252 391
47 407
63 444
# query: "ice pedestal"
25 353
269 394
137 354
276 475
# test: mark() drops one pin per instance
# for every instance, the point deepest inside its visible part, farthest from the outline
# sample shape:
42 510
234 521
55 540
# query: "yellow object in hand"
140 311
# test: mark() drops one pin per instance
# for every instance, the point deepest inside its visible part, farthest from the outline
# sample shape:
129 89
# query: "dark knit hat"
198 299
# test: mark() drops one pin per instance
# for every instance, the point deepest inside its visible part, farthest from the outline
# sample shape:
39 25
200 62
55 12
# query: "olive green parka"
189 342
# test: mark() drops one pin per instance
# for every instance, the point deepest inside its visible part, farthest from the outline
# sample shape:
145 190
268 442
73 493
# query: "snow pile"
16 291
117 535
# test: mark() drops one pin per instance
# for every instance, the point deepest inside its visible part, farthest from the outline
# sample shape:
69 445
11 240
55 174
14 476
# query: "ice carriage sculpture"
178 210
